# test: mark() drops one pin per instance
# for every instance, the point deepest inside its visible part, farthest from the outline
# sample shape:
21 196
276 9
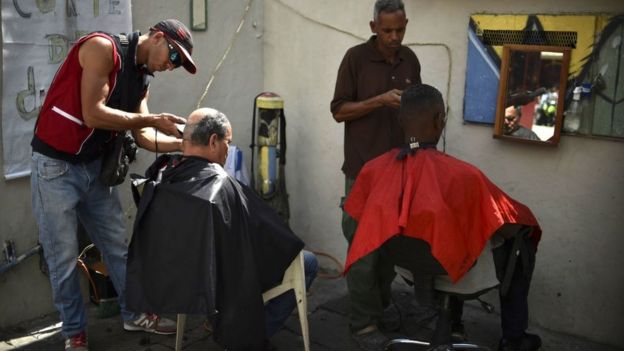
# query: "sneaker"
370 339
77 342
528 342
151 323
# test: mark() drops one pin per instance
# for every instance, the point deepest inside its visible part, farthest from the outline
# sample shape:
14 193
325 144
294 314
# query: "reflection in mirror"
530 104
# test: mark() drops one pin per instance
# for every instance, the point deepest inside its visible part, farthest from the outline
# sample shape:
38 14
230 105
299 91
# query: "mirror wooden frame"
502 91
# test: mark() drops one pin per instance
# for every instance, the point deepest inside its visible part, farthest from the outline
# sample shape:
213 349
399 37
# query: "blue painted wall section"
482 79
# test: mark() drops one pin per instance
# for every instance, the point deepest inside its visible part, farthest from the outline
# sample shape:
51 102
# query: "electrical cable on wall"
353 35
310 19
225 54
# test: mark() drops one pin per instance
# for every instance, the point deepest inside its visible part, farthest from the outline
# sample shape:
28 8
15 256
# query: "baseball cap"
180 36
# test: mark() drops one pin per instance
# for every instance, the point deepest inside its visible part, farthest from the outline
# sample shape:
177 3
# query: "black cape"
205 244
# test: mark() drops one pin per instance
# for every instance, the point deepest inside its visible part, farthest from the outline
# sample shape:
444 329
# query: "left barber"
99 90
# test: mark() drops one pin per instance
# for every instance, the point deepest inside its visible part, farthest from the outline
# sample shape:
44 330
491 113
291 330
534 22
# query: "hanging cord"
227 51
253 144
85 269
329 26
295 11
335 260
156 142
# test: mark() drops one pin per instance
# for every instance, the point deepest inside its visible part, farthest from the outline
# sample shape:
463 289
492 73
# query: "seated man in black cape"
205 244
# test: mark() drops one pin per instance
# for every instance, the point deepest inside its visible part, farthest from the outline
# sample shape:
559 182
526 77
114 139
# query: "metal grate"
529 37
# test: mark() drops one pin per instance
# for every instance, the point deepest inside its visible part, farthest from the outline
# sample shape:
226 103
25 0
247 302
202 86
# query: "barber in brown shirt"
368 91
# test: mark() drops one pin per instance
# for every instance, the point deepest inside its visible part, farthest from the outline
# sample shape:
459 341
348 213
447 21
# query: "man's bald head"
204 122
207 134
512 119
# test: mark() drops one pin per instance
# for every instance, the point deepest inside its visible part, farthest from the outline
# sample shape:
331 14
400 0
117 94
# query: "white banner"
37 35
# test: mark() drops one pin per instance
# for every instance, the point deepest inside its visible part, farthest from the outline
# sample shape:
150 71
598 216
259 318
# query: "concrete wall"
576 190
25 292
294 48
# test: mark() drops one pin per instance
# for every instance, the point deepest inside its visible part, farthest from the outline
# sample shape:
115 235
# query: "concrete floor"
327 321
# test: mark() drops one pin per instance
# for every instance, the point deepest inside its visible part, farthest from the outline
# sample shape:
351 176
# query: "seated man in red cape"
421 204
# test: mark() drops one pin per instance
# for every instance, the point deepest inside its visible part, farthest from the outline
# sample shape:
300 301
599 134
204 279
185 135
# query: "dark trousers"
415 255
368 280
515 305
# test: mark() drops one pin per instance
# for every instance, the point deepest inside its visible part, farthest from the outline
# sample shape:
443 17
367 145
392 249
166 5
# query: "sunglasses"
174 56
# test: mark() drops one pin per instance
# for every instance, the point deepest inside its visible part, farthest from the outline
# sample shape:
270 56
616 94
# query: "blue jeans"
277 310
62 194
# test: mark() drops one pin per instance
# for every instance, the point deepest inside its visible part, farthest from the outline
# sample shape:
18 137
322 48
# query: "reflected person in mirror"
512 127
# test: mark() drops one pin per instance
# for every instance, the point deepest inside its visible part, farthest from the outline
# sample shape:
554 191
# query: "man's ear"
436 122
373 26
212 142
441 120
157 36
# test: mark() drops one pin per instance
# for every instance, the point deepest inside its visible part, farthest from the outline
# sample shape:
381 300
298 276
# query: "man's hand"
353 110
166 123
391 98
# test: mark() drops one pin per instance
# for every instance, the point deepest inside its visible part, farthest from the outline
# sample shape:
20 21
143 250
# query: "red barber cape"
431 196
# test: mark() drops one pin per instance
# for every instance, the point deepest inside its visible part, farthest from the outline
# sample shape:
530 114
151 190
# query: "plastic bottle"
572 120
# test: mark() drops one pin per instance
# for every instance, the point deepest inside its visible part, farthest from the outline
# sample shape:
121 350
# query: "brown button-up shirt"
365 73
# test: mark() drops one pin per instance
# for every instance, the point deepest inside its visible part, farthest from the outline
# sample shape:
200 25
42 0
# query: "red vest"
61 124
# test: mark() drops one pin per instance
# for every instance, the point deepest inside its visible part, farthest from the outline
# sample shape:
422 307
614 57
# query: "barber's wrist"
378 101
152 120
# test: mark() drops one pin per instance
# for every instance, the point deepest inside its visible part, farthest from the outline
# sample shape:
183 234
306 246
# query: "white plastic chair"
294 278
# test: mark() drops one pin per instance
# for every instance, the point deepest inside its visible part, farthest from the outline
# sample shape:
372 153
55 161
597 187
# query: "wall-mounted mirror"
531 93
199 14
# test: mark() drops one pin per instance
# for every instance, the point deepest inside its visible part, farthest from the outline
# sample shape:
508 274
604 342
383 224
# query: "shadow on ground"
327 317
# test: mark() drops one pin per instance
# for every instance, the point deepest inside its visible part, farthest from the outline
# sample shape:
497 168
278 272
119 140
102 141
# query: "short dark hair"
214 122
418 98
387 6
